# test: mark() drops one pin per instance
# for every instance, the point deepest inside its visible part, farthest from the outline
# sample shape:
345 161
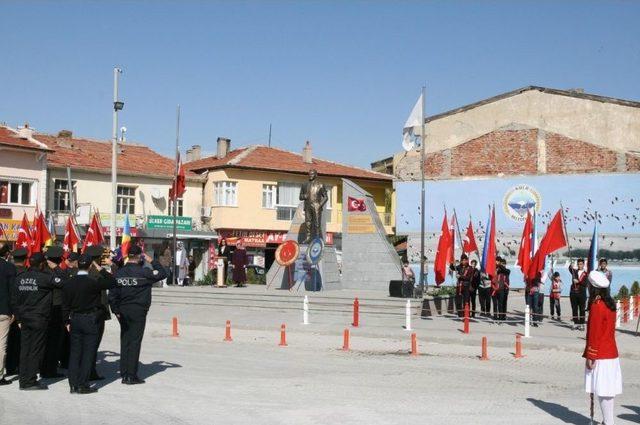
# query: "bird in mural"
588 199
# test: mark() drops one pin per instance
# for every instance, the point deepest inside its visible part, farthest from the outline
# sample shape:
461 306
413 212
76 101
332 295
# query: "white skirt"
605 379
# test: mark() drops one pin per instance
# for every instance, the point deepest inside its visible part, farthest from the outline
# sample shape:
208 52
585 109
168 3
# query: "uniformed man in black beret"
130 301
32 297
55 331
71 263
80 310
71 268
96 252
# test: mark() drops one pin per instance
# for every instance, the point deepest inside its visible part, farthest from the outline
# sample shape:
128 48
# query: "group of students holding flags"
590 291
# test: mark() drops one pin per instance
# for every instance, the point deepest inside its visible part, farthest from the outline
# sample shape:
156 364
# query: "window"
126 201
329 197
62 195
17 192
288 198
179 207
269 194
225 194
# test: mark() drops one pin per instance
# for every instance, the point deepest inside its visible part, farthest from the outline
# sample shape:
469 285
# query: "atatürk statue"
314 195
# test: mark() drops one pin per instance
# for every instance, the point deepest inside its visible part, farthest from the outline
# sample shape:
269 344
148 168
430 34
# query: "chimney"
307 154
66 134
25 132
193 153
223 147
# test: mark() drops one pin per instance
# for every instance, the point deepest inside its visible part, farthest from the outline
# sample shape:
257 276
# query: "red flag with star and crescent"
469 243
94 234
356 204
71 239
25 240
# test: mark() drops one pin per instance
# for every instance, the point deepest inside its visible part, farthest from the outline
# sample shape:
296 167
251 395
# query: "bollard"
174 325
227 333
414 344
356 313
345 340
636 310
484 349
527 322
518 354
283 335
407 316
305 311
618 314
466 318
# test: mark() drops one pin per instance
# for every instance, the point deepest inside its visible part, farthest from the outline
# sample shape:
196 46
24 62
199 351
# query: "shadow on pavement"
631 417
560 412
110 368
624 331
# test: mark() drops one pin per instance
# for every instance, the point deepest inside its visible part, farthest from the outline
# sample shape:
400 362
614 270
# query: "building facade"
23 182
253 192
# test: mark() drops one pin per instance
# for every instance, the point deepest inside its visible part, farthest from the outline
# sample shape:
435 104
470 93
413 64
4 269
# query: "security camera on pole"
117 106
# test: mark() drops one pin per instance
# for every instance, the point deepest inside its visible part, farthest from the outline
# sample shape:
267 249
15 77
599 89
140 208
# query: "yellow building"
253 192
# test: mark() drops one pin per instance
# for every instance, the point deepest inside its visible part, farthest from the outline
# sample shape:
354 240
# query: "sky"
343 75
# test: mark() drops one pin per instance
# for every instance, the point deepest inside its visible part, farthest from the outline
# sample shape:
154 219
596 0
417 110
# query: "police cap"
36 259
54 253
134 250
85 261
20 253
73 256
94 251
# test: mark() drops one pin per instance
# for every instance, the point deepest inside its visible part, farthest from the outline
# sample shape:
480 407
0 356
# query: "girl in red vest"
554 294
602 373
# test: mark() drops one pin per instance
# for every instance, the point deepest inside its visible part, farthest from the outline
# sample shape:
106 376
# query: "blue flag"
592 261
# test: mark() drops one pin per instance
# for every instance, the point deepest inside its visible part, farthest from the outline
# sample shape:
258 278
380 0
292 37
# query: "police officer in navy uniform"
95 252
55 332
32 297
71 268
81 309
130 301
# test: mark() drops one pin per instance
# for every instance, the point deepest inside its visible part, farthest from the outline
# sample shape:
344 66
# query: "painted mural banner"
166 222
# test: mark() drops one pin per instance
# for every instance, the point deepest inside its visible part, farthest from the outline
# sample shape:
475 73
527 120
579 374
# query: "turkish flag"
524 255
442 255
469 244
489 253
40 235
71 239
355 204
552 241
94 234
25 240
179 184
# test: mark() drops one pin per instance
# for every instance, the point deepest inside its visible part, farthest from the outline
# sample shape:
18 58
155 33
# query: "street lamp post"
117 106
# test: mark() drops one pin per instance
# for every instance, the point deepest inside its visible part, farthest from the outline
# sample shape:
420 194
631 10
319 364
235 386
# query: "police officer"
71 264
32 296
95 252
55 331
130 301
7 276
80 310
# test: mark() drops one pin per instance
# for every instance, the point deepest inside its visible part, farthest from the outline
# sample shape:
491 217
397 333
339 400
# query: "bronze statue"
314 195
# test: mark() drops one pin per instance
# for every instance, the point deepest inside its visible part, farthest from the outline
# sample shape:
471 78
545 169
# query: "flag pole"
423 138
175 199
458 230
477 250
564 227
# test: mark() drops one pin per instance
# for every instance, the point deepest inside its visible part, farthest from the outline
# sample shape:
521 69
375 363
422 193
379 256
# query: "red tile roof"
265 158
93 155
9 137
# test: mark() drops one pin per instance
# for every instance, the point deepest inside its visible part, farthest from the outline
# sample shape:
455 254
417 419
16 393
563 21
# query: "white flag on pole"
413 126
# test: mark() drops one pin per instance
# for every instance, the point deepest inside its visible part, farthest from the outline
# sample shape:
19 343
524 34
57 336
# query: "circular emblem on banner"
287 253
314 252
520 199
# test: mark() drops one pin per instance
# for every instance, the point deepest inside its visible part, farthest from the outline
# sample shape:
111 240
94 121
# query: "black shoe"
73 389
133 380
35 387
96 377
124 379
87 390
4 382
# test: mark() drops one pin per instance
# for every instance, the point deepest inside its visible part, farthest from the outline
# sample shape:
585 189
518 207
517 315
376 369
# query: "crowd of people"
53 309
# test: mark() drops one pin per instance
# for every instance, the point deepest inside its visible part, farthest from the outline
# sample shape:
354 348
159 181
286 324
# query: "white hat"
598 279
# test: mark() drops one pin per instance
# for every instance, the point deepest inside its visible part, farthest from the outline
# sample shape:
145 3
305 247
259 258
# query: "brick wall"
503 151
566 156
632 162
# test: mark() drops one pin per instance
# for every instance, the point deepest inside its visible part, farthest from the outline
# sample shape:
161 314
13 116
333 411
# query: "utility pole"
175 201
117 106
269 134
423 213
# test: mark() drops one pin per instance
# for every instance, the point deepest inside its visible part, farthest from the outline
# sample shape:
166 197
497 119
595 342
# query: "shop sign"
10 229
259 238
166 222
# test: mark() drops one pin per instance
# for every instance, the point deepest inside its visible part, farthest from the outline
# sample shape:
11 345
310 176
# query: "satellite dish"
408 142
155 193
